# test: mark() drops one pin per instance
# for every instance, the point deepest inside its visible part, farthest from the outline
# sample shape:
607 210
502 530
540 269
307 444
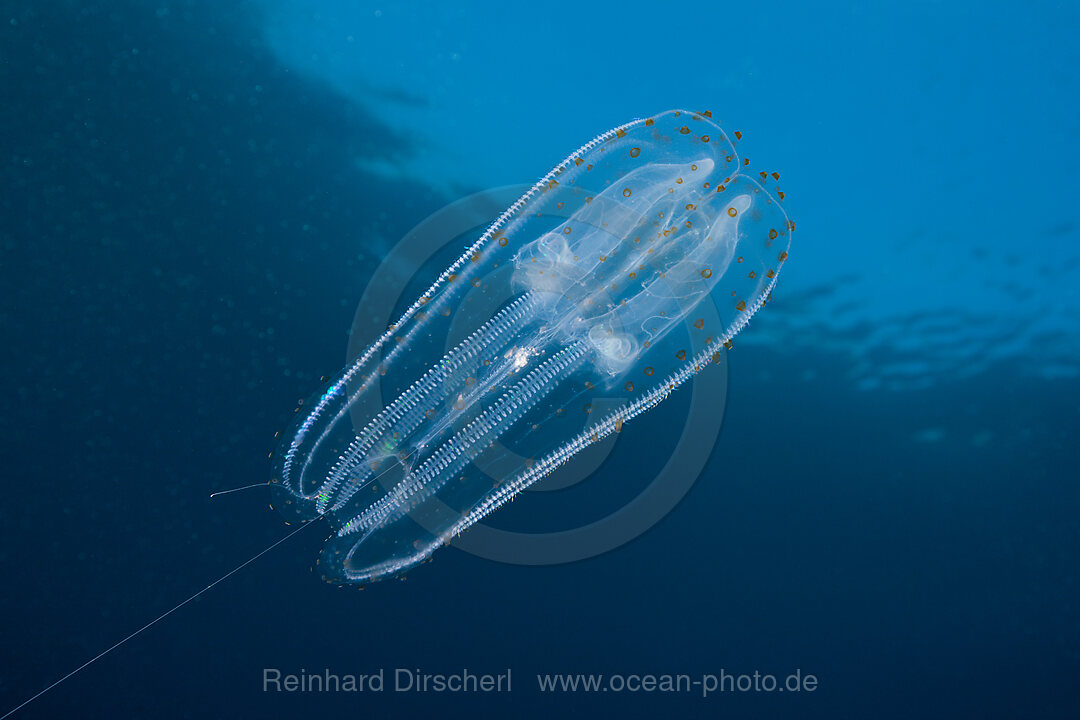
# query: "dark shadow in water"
186 226
169 186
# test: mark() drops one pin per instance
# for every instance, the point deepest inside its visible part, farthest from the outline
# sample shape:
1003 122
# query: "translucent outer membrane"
594 279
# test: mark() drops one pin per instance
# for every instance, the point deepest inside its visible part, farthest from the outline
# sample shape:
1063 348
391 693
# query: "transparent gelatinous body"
594 278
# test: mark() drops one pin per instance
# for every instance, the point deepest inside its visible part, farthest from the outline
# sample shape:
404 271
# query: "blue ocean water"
196 195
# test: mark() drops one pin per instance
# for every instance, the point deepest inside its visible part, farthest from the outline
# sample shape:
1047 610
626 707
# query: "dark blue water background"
194 195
